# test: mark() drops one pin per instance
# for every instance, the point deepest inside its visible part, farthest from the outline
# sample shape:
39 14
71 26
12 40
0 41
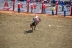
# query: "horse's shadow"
29 31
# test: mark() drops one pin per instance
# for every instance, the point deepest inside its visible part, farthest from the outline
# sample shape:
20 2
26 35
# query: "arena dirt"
15 31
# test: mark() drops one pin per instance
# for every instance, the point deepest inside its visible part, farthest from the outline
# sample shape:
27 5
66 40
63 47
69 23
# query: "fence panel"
38 7
61 12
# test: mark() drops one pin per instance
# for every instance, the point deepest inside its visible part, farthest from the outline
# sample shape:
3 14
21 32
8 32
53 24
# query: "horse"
33 25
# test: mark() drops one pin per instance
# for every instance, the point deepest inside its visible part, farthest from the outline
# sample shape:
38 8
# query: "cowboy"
44 7
31 8
19 7
36 19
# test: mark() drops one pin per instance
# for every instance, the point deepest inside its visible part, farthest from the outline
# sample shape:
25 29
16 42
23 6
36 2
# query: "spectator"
34 8
19 6
44 7
65 11
31 8
53 9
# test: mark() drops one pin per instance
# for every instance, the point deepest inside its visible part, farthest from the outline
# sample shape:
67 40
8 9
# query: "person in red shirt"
6 4
19 7
31 8
34 8
44 7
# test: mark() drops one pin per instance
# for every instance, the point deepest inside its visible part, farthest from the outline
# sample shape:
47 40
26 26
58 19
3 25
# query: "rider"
36 19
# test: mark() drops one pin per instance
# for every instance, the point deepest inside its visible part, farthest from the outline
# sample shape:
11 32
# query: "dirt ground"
16 33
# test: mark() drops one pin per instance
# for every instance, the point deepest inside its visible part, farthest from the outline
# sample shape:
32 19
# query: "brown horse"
33 25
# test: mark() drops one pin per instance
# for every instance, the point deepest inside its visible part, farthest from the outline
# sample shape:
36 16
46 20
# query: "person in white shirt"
65 11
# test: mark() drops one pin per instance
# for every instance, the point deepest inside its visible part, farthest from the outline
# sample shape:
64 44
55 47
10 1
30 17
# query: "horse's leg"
34 28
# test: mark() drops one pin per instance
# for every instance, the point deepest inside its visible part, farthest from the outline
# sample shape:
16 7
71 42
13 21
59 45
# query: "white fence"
38 7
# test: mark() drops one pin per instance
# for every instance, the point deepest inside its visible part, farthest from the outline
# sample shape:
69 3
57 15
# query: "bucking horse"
34 24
